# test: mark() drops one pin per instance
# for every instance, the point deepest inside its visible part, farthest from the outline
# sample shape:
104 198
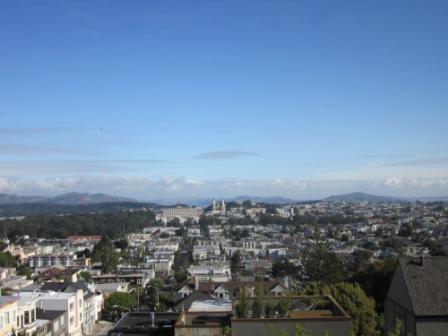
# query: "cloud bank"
145 188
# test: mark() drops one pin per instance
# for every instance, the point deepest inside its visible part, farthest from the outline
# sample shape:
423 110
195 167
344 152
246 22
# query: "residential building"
8 315
417 297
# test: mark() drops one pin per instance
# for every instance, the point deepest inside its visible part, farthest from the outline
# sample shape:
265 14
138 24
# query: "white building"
180 213
72 303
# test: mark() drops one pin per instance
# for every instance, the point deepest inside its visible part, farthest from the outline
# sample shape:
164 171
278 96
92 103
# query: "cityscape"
223 168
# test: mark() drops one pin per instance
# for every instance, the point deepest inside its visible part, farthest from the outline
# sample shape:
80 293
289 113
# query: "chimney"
196 283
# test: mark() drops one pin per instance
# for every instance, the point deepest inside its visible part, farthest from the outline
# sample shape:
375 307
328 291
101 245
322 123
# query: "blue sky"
157 99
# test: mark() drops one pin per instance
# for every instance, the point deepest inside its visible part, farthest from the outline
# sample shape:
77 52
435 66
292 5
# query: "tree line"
113 225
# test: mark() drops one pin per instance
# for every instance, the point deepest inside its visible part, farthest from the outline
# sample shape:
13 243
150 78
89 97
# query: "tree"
375 278
284 306
235 263
7 260
366 321
282 267
113 224
104 251
321 265
120 301
269 309
257 304
181 275
85 253
361 259
85 275
242 308
24 270
121 244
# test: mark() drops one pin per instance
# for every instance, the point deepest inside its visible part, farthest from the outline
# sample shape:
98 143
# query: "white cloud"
146 188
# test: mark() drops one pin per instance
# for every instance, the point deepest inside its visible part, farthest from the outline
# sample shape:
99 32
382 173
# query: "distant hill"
84 198
15 199
64 199
361 197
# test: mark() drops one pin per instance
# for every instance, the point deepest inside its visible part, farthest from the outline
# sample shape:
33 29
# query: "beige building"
8 315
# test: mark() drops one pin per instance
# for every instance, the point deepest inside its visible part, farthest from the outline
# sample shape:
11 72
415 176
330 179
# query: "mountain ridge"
73 198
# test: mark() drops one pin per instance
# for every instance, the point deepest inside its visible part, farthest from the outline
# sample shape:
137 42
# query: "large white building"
180 213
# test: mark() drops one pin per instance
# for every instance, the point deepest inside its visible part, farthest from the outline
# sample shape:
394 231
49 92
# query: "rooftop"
313 307
142 323
426 280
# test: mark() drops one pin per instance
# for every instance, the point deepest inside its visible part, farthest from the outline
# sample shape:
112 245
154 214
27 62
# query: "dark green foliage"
86 276
104 251
113 225
282 267
284 306
257 304
85 253
120 301
322 265
121 244
361 259
235 263
24 270
269 309
7 260
339 219
366 321
33 209
435 248
375 278
181 275
242 306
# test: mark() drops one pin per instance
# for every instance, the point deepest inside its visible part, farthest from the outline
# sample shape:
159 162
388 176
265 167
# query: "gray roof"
185 303
49 314
427 283
71 287
32 287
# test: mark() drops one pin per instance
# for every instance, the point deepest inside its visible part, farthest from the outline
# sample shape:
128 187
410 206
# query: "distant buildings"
49 260
181 213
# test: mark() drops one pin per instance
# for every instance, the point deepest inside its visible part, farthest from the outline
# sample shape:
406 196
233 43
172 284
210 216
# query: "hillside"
360 197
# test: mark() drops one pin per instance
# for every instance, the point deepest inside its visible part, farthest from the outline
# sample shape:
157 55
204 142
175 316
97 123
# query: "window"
7 318
27 317
1 322
72 320
33 315
72 305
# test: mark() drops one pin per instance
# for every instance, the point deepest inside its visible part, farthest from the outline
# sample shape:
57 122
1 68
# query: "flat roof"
138 323
312 307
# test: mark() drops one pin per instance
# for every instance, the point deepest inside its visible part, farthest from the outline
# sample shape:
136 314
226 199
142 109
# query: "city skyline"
170 100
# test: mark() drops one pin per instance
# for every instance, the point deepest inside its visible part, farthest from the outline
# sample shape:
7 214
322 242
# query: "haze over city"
175 99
